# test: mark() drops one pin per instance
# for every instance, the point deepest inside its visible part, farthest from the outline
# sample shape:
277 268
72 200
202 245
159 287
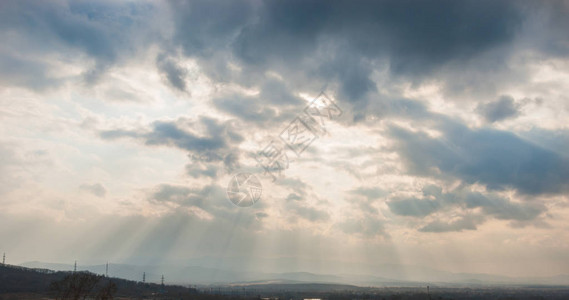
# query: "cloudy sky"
122 123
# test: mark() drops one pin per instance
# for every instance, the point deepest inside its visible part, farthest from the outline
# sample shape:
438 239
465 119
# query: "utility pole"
107 270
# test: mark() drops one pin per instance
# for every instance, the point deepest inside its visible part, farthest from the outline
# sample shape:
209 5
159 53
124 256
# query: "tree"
106 291
81 285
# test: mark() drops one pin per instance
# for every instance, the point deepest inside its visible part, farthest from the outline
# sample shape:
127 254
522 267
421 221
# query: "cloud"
301 201
171 134
105 32
393 66
365 197
320 42
340 40
197 170
503 209
96 189
501 109
274 105
212 146
367 226
466 222
248 109
413 207
174 73
488 205
209 202
311 214
215 142
203 27
294 197
497 159
371 193
30 73
324 41
176 194
555 140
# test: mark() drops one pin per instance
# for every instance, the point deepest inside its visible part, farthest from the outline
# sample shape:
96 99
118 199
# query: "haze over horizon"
122 123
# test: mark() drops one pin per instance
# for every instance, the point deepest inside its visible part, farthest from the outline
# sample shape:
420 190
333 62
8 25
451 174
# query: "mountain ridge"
212 276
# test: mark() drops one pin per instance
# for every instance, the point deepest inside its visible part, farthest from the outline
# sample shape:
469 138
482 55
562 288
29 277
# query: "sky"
122 123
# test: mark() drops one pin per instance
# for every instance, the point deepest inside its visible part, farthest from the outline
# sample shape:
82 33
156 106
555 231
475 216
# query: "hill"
16 280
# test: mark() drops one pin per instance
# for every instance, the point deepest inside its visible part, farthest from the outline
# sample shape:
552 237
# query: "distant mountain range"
387 275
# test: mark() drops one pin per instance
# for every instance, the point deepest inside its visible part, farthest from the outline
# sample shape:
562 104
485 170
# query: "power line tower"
75 267
107 270
4 259
143 277
162 280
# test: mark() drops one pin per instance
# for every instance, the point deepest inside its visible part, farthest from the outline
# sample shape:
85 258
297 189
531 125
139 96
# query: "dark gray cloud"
503 209
344 42
324 41
466 222
414 207
217 136
310 43
212 145
174 73
413 39
434 200
497 159
293 197
211 164
501 109
555 140
30 73
96 189
204 27
171 134
547 27
106 32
